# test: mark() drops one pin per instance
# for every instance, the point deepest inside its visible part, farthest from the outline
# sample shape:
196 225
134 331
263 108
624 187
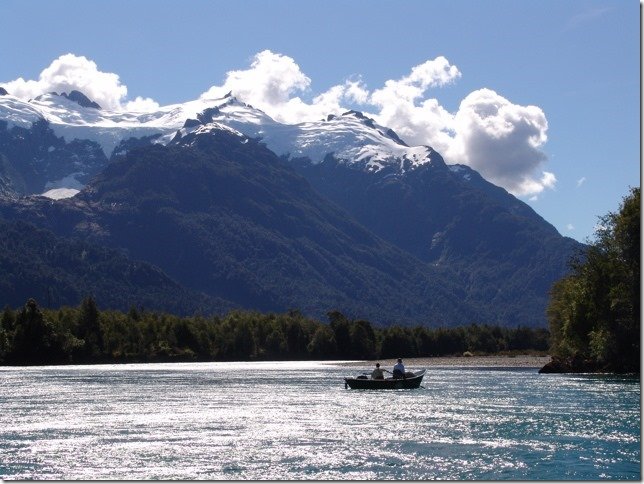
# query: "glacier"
350 138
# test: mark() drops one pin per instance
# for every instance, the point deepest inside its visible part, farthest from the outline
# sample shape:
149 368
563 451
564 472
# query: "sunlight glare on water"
295 420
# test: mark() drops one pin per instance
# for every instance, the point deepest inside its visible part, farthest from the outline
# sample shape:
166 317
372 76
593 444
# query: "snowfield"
351 138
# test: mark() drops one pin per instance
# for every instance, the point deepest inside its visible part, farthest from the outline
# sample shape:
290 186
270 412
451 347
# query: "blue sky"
576 62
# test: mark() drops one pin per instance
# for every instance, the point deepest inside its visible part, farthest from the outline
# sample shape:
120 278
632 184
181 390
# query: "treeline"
35 336
594 313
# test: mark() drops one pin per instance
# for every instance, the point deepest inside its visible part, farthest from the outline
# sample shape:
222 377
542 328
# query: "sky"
542 98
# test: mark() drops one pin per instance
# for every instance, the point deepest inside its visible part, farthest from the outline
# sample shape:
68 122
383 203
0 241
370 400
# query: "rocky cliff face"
35 160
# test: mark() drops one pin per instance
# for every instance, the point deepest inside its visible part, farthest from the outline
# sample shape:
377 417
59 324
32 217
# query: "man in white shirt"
377 373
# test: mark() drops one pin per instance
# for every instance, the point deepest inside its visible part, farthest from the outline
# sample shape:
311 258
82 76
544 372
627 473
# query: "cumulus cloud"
496 137
271 84
403 107
271 80
437 72
142 105
70 72
500 139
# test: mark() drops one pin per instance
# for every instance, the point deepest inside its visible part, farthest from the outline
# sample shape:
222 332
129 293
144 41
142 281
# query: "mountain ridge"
350 136
496 255
223 215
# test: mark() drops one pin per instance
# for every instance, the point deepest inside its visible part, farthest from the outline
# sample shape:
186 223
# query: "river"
296 420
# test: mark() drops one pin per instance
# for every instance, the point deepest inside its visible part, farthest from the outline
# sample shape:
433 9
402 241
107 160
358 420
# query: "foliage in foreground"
33 336
594 313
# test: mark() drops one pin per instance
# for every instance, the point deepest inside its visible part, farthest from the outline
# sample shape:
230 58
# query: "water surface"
296 421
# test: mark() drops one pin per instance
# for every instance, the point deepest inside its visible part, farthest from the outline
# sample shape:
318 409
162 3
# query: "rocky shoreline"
545 364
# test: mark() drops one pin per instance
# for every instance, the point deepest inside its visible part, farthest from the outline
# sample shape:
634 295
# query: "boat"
362 382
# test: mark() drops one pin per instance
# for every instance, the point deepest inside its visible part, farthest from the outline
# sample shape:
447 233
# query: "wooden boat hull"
386 384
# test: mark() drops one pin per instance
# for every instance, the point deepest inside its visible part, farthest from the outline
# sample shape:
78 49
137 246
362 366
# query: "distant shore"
519 361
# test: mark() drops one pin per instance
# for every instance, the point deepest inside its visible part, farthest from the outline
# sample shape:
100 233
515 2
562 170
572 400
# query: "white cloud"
432 73
581 181
590 15
570 227
142 105
70 72
500 139
496 137
356 91
403 108
271 83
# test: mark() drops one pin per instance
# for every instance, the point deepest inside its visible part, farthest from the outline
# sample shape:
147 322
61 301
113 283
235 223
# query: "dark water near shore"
297 421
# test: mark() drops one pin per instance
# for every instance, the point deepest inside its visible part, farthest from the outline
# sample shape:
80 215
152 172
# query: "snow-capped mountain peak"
80 99
351 138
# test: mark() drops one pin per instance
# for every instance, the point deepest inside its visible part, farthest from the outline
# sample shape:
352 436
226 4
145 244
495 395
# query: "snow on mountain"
108 128
350 138
58 193
17 112
206 129
461 170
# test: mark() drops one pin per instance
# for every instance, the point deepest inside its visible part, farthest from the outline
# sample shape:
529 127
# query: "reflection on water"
296 421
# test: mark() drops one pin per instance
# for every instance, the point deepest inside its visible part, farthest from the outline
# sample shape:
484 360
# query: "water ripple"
295 420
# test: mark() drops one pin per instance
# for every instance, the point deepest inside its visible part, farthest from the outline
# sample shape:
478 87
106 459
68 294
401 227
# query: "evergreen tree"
296 339
34 340
363 340
276 344
397 342
323 343
341 332
89 328
594 313
8 319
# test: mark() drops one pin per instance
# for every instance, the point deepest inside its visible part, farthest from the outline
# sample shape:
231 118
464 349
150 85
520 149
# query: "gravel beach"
520 361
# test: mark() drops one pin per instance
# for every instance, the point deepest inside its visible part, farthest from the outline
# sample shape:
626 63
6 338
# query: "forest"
594 313
72 335
594 324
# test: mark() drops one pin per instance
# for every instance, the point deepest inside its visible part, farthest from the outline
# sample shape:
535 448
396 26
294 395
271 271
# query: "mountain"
351 137
60 271
81 99
502 253
222 215
35 160
487 249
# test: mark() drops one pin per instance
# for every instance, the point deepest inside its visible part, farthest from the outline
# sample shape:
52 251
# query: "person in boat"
377 373
399 369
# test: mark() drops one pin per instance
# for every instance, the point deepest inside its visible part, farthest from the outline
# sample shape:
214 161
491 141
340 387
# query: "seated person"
377 373
399 369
